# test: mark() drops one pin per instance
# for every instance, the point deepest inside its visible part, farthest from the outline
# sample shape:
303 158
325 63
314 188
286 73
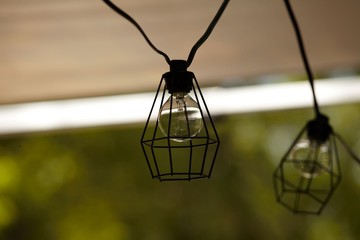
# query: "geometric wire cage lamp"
184 143
309 173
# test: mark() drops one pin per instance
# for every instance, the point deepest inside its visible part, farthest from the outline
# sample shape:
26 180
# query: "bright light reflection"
134 108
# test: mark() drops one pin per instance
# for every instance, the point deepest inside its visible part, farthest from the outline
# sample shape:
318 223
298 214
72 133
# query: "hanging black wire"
207 32
130 19
303 53
312 159
203 38
310 75
347 148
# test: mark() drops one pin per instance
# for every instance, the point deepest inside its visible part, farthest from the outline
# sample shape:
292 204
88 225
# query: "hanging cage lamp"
183 143
309 173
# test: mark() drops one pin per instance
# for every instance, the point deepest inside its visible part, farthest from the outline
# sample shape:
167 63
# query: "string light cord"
130 19
191 56
347 148
303 53
207 32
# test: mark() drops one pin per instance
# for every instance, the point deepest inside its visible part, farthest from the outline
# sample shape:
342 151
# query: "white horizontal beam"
282 96
134 108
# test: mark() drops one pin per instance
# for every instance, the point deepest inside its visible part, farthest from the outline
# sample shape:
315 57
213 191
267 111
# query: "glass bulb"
186 120
310 157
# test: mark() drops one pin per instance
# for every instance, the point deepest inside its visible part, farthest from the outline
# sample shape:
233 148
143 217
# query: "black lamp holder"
178 79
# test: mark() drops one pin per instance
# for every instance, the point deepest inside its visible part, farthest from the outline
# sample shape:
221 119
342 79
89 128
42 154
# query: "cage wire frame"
303 195
200 150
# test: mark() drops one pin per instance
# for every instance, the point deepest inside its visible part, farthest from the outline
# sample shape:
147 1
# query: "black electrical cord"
303 53
347 148
195 47
207 32
130 19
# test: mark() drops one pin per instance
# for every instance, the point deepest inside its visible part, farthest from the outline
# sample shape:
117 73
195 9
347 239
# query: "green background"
94 184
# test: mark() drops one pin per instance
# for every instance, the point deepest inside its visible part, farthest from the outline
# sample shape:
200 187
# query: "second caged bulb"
311 158
180 117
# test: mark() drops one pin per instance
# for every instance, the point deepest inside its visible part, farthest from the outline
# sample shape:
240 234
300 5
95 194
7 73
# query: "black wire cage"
184 143
191 154
309 173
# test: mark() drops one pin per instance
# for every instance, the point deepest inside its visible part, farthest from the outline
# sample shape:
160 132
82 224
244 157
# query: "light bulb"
310 158
185 121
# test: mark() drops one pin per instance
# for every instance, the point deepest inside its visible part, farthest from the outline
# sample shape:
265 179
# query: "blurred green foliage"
93 184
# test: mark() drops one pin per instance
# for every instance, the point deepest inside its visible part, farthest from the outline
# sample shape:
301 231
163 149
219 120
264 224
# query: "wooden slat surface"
77 48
